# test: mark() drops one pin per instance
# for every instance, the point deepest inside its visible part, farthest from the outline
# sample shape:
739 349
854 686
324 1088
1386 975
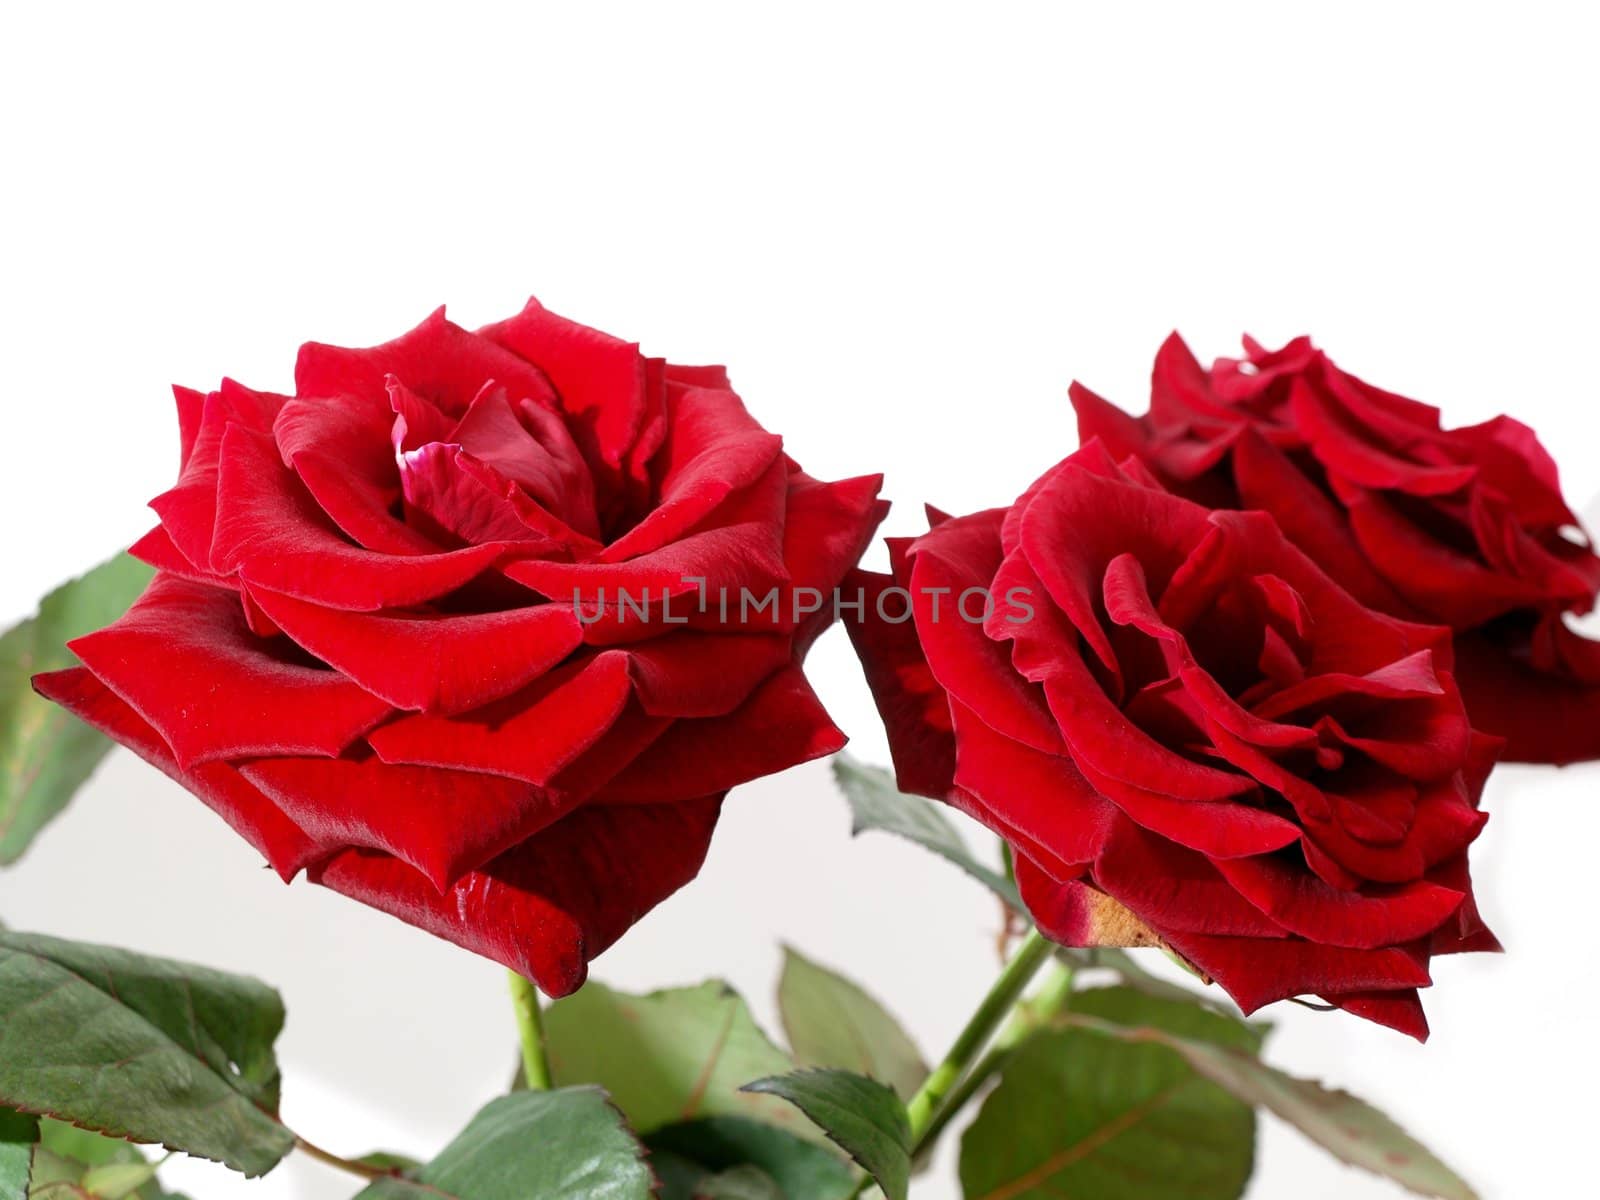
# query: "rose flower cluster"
1259 649
384 641
1196 739
1458 527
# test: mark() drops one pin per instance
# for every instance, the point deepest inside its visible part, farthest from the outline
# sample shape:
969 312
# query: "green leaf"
1094 1117
117 1181
569 1144
669 1056
833 1022
142 1048
1136 975
46 753
1348 1128
1182 1014
19 1133
685 1153
740 1183
676 1177
875 803
862 1115
388 1160
71 1162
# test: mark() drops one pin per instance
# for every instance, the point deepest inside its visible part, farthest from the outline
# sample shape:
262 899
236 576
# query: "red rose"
1188 734
1460 527
430 629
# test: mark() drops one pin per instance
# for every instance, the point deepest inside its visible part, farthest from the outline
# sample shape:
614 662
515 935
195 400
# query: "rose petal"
339 448
1267 480
284 845
948 565
1543 717
548 906
827 527
598 379
430 661
914 707
1400 1010
1040 795
443 823
438 359
183 659
1172 888
272 533
531 735
781 725
1303 904
528 444
1257 971
1346 447
737 548
188 511
713 448
1072 913
695 674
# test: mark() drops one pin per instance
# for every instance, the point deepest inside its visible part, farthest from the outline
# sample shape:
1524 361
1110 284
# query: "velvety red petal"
1544 718
1102 738
1447 585
1182 399
738 546
1267 480
1466 932
1400 1010
1120 433
1040 795
1419 739
530 735
695 674
1513 462
1172 888
529 444
1350 637
1303 904
443 823
914 707
438 359
428 661
827 527
549 905
781 725
712 449
1257 971
223 790
597 377
1063 910
157 549
271 531
952 566
1409 678
467 499
339 447
188 511
1069 536
184 660
1346 447
191 407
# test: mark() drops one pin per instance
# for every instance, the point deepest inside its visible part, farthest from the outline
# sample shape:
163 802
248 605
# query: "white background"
905 229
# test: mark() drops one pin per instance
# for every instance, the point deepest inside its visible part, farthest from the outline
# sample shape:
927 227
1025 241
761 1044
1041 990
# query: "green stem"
530 1029
1052 998
922 1108
366 1171
1007 989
